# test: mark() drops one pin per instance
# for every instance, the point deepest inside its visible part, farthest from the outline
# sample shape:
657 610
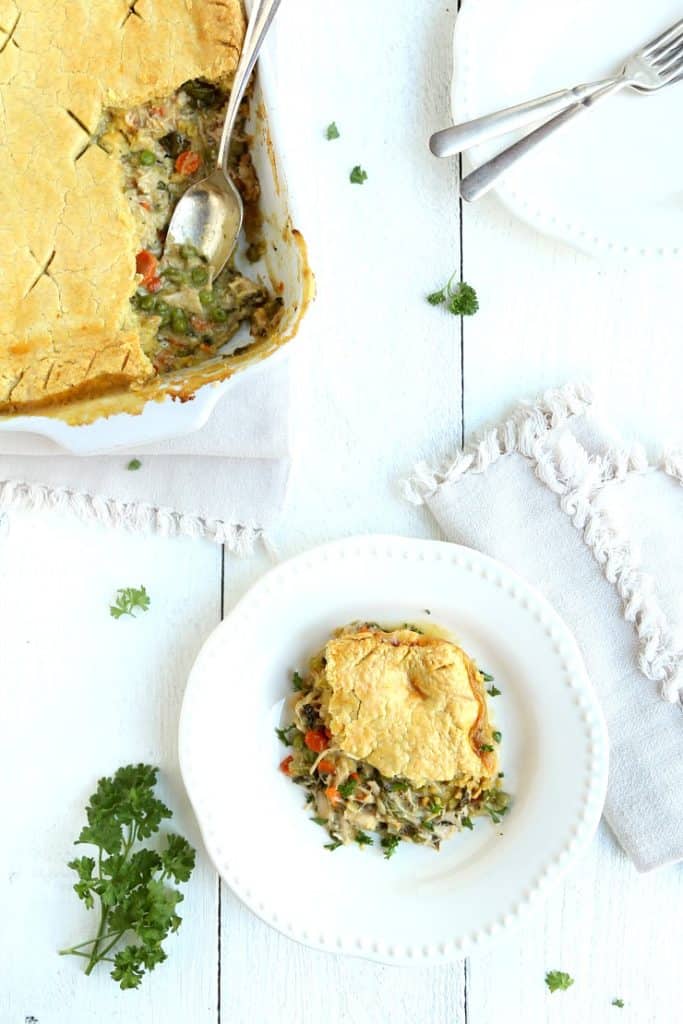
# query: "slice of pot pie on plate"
391 734
109 110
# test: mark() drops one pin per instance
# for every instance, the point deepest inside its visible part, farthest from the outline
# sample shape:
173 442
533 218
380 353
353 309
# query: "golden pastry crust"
67 237
408 704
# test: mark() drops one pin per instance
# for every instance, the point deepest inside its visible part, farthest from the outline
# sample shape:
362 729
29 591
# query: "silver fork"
657 64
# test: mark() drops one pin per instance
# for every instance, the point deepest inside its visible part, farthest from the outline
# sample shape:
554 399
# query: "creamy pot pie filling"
391 735
164 147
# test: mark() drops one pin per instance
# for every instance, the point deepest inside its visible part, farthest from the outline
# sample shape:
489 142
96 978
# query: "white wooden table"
381 379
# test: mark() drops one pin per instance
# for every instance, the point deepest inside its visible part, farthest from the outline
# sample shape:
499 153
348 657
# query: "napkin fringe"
567 469
238 538
520 433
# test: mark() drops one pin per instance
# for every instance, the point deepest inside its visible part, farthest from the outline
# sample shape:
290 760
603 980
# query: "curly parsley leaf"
463 300
129 882
334 845
297 682
497 736
358 176
460 299
389 844
127 600
347 788
467 823
363 839
284 734
558 981
134 464
332 132
619 1003
493 691
486 676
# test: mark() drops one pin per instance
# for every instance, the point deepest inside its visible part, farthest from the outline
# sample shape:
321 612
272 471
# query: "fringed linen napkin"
599 529
226 482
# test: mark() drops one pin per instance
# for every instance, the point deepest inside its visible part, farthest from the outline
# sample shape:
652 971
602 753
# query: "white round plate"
609 182
420 906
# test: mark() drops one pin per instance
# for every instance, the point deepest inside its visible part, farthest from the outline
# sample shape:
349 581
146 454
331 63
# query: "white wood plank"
83 694
377 380
617 933
550 315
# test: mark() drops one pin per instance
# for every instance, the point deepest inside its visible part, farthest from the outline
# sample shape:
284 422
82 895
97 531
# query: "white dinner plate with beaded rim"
610 182
420 907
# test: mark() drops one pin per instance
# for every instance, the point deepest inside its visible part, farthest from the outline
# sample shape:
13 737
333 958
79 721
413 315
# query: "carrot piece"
188 162
316 741
146 264
284 765
325 766
332 794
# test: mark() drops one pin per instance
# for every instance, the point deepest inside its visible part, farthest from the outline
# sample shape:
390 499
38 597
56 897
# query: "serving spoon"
209 215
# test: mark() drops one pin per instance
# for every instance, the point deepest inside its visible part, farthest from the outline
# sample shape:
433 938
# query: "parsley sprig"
332 132
129 883
558 981
459 297
127 600
358 176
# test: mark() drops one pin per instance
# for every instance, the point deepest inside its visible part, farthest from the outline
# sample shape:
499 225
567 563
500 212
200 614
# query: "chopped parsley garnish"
619 1003
486 748
297 682
463 301
389 844
127 600
398 785
466 823
486 676
358 176
460 299
132 886
134 464
427 611
493 691
363 839
319 821
347 788
334 845
558 981
497 736
332 132
435 806
283 735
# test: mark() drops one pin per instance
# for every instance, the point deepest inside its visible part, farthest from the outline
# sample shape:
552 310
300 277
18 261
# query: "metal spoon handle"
479 182
459 137
262 14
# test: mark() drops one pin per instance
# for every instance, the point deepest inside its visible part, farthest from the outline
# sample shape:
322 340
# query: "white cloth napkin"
226 482
554 494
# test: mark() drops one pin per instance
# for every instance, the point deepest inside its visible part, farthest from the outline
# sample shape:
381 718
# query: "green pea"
147 157
206 298
146 302
179 321
173 275
199 276
219 316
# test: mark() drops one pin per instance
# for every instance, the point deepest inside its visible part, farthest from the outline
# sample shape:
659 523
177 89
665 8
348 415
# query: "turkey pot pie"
391 735
109 110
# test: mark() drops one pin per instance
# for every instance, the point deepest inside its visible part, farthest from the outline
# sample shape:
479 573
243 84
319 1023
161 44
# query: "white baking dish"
182 402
